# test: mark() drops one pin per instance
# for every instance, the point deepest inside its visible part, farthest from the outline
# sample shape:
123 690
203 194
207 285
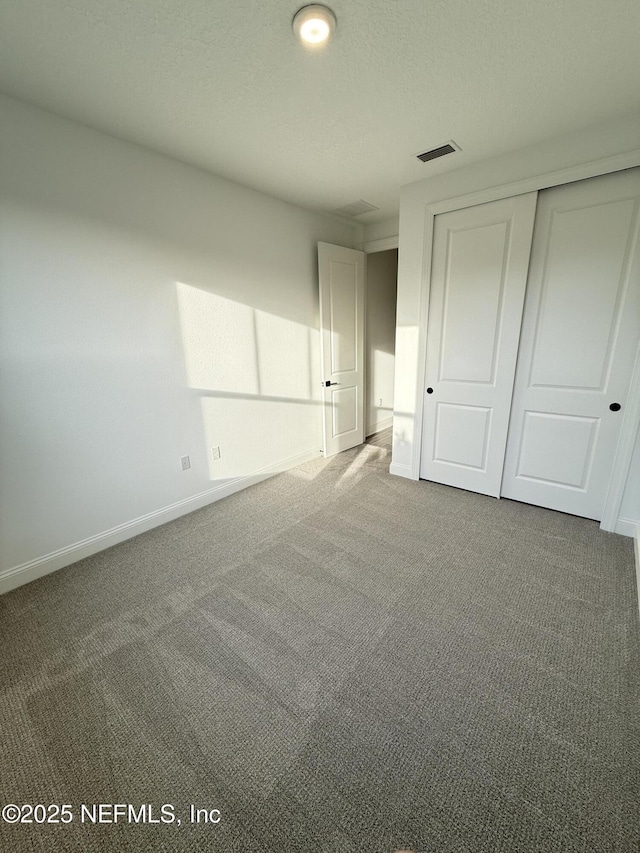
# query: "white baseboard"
626 526
401 470
372 429
26 572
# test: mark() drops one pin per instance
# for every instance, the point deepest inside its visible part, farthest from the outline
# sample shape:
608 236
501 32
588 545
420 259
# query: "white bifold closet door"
545 433
479 275
580 334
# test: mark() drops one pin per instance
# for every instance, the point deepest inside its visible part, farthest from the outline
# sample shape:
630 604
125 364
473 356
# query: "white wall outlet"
215 453
185 462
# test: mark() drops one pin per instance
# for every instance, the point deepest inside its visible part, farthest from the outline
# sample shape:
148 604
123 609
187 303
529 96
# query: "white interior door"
579 339
479 274
341 274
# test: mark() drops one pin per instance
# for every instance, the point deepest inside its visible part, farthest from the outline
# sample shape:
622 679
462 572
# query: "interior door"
579 339
479 274
341 274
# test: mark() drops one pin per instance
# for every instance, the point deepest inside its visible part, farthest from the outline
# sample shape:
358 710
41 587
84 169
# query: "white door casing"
579 339
341 276
479 273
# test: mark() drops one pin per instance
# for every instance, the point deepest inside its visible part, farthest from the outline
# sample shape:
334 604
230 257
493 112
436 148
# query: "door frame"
382 245
631 421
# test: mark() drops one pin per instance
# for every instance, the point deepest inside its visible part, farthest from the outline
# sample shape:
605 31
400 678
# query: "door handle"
429 390
615 407
327 383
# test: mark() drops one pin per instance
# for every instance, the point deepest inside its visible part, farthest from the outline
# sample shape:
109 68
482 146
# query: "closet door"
580 334
479 273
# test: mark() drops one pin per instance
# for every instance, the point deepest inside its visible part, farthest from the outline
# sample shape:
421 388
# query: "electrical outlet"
185 462
215 453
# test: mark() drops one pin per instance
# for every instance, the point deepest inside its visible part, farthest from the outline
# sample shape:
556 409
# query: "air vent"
356 208
448 148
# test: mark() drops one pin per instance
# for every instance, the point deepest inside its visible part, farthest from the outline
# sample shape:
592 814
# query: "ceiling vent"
356 208
447 148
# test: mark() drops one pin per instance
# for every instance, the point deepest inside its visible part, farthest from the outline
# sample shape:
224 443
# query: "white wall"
581 147
388 227
148 311
381 289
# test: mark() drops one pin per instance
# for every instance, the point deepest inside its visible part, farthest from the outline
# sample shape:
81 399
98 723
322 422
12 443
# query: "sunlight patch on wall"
219 341
284 367
232 347
253 373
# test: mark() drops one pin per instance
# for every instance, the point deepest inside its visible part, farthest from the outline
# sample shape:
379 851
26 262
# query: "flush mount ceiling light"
314 25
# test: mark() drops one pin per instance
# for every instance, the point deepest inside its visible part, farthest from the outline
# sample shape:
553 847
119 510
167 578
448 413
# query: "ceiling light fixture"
314 25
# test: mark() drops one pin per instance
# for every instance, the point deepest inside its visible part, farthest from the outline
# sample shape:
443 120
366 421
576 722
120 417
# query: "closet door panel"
579 337
479 270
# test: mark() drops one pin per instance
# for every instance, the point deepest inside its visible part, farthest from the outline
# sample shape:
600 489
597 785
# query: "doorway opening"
381 292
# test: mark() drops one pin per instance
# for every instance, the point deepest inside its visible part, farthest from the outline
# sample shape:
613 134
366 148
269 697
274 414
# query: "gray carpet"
336 660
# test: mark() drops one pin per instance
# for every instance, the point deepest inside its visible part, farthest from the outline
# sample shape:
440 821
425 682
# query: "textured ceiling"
224 85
